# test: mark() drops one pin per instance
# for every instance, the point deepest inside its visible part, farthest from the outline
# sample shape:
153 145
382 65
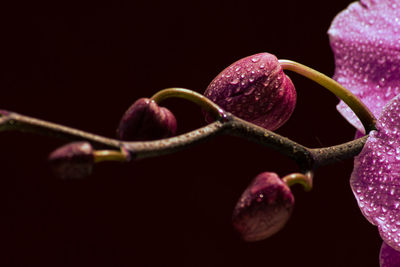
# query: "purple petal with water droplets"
365 39
389 257
375 180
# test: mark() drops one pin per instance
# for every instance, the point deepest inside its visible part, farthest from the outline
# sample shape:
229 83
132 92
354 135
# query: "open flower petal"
375 180
388 256
365 39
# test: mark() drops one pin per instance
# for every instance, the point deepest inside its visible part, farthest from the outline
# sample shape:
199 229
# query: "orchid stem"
363 113
11 121
306 158
111 155
305 179
192 96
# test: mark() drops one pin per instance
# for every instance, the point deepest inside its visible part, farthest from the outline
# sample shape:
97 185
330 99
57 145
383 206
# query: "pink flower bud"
255 89
264 207
74 160
145 120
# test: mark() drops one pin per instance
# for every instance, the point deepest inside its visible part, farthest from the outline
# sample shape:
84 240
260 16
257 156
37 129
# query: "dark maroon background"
82 64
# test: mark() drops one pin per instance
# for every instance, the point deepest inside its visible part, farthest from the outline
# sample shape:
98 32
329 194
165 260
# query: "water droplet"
382 60
235 81
255 59
382 82
249 92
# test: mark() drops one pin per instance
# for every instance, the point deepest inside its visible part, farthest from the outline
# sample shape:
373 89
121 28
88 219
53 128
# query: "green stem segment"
192 96
305 180
363 113
111 155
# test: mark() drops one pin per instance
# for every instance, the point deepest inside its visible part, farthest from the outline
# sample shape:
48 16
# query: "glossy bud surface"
146 120
72 161
255 89
264 207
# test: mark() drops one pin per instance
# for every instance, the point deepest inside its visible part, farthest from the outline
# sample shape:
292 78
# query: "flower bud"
72 161
255 89
146 120
264 207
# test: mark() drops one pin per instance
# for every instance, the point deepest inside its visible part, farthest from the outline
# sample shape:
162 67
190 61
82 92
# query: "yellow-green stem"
110 155
363 113
299 178
192 96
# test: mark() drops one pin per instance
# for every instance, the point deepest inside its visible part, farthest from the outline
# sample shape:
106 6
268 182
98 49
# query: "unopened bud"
74 160
255 89
264 207
146 120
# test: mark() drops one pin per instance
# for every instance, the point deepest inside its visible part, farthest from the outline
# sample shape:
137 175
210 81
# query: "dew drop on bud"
146 120
72 161
274 90
264 207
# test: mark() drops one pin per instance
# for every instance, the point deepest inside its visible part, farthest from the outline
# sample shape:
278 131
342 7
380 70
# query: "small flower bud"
255 89
264 207
72 161
145 120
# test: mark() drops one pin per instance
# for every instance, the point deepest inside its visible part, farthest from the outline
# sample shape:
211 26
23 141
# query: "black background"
82 64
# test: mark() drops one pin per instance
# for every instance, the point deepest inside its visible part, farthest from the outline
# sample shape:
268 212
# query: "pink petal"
375 180
365 39
388 256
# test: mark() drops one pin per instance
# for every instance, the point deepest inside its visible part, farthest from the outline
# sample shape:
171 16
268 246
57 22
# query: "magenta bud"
264 207
255 89
146 120
72 161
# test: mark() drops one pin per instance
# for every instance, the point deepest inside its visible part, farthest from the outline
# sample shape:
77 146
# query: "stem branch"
306 158
10 121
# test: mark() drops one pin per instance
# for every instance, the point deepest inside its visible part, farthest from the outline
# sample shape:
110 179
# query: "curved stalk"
192 96
363 113
305 179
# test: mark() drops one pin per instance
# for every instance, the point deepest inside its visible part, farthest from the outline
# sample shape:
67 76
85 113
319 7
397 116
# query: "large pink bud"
264 207
255 89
